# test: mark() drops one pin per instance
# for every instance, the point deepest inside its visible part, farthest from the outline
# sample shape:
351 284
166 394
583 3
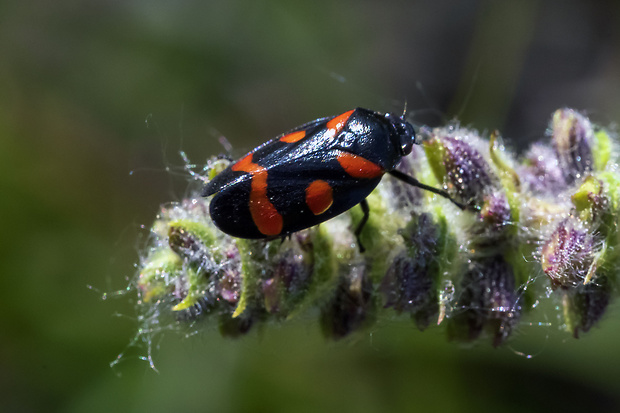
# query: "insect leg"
360 226
412 181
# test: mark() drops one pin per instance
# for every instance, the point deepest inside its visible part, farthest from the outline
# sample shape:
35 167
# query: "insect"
311 174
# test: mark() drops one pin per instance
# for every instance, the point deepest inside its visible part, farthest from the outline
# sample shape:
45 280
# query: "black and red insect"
311 174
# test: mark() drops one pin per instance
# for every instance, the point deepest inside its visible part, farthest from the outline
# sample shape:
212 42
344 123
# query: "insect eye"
404 136
407 137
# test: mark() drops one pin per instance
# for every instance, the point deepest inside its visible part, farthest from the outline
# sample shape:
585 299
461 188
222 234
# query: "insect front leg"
412 181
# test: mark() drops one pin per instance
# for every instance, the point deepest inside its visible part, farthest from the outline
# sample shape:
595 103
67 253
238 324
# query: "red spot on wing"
293 137
359 167
338 122
266 217
245 164
264 214
319 196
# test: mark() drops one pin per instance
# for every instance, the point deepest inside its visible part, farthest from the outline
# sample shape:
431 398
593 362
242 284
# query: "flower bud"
573 140
229 286
409 288
292 274
187 246
592 201
568 254
410 282
587 304
492 228
191 284
541 172
458 163
156 274
488 301
351 305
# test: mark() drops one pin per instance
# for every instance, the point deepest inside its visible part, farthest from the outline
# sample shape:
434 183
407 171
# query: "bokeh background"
98 97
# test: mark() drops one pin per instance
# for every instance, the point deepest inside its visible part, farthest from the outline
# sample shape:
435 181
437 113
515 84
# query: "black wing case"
269 154
290 186
287 190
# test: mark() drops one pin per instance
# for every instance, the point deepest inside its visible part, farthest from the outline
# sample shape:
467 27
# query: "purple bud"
589 303
295 265
495 211
228 285
541 172
292 274
494 222
466 168
568 254
195 254
187 246
592 201
351 305
573 138
223 286
272 292
488 301
410 282
409 288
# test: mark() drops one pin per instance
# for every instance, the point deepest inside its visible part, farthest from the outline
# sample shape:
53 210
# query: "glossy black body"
382 139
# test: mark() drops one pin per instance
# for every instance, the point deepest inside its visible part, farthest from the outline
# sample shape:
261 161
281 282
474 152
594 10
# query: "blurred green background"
93 90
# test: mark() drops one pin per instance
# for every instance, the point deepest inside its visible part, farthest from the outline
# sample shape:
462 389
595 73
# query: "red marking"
245 164
319 196
338 122
266 217
359 167
293 137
